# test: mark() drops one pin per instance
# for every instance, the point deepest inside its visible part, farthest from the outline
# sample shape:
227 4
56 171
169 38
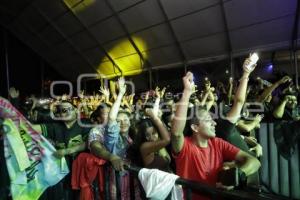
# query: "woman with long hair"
154 138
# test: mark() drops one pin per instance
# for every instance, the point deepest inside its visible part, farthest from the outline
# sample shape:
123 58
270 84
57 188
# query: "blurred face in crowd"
102 118
292 102
151 134
171 105
139 104
170 119
205 126
67 112
123 122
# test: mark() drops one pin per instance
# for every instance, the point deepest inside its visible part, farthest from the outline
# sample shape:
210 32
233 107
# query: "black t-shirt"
268 112
228 131
286 135
290 114
268 109
64 137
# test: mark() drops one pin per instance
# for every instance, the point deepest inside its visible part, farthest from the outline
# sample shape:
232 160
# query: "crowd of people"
197 134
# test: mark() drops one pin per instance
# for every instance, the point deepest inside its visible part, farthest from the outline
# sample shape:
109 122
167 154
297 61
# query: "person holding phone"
200 157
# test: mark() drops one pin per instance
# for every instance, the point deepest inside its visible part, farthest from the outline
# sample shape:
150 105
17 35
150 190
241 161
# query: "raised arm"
268 91
112 86
151 147
115 108
240 95
279 110
230 88
204 98
210 100
247 126
179 120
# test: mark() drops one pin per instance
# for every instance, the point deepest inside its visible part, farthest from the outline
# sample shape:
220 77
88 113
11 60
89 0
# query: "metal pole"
5 38
231 65
150 78
42 77
296 66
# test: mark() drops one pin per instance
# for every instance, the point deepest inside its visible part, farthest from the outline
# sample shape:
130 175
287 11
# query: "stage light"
269 68
125 57
78 5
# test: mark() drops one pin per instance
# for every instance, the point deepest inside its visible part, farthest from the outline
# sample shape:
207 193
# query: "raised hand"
151 113
130 98
124 101
207 84
258 118
147 96
64 97
285 79
162 92
188 83
230 81
257 150
13 93
122 85
157 93
105 91
247 67
81 94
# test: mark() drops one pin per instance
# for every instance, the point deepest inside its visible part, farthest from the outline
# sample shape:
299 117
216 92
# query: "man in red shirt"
201 156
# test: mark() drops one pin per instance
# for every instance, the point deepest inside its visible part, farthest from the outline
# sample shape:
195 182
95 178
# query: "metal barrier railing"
194 186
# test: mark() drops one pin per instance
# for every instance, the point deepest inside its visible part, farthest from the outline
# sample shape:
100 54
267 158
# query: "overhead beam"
100 20
296 27
33 32
50 22
5 38
229 46
180 49
99 45
229 43
294 41
64 36
21 11
148 64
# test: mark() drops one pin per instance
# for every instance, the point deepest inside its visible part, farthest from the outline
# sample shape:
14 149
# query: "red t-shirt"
203 164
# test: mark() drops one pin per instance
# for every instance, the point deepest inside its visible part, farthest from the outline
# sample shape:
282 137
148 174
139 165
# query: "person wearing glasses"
68 137
200 157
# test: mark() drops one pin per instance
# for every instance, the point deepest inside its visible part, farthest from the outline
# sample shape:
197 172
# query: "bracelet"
243 77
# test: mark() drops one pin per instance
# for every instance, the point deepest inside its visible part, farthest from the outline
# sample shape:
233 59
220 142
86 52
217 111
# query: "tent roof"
90 36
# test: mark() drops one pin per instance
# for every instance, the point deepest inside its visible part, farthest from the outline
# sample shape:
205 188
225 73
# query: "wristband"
243 77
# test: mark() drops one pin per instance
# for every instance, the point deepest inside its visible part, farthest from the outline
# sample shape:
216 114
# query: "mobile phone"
229 177
253 60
